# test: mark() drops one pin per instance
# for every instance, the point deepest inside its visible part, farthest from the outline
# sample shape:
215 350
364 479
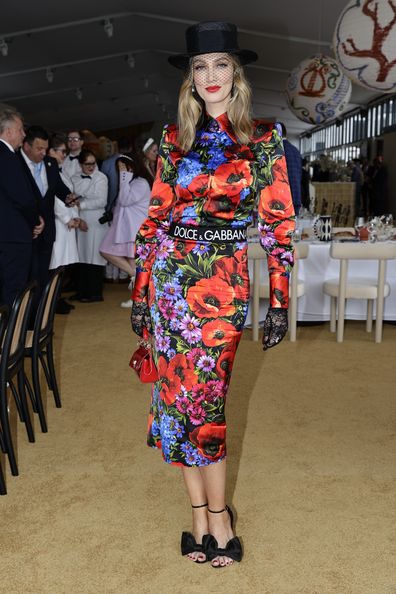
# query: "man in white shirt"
75 141
46 182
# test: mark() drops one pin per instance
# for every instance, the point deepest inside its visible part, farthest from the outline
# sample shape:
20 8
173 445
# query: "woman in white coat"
91 187
131 209
67 219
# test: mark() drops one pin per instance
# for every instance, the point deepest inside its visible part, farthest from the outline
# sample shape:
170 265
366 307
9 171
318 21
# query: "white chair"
359 288
261 290
256 254
297 287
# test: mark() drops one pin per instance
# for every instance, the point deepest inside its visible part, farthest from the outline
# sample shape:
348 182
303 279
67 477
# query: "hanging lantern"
317 90
365 43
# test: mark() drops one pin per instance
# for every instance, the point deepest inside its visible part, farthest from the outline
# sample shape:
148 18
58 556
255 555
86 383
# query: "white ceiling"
69 37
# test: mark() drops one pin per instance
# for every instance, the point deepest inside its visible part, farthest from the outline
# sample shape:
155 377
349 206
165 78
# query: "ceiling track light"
130 58
146 83
3 47
164 108
79 93
49 73
108 27
157 98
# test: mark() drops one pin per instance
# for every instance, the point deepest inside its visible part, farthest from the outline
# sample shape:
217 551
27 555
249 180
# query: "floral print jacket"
221 182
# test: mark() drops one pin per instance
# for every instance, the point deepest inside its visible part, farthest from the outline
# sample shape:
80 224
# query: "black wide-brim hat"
212 37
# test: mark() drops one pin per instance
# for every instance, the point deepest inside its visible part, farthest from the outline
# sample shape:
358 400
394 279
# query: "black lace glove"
275 327
140 318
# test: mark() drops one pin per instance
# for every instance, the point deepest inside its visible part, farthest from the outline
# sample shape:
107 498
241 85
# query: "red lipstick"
213 89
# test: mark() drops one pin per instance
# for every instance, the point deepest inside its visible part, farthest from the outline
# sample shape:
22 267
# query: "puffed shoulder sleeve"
276 220
156 224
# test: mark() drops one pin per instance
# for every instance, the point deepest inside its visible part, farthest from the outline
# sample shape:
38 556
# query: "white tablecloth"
318 268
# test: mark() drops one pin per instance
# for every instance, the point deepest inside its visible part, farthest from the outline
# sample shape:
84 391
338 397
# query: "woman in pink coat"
131 208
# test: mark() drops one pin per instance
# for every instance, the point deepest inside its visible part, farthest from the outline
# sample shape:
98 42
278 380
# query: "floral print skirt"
198 298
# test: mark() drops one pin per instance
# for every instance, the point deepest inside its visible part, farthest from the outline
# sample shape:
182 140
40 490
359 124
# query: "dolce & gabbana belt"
213 234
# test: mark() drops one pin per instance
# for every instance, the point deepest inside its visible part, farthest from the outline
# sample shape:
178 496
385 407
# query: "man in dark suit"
20 220
46 183
294 169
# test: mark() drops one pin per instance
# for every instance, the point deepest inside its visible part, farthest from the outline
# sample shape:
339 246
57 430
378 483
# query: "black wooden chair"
11 366
39 347
3 325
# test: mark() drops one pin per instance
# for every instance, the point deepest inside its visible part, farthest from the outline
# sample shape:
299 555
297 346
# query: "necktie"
71 157
86 176
37 167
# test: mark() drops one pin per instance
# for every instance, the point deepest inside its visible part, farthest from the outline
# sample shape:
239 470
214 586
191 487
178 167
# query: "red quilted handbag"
142 361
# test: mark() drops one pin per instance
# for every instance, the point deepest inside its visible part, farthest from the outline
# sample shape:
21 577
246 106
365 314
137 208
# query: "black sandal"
233 548
189 544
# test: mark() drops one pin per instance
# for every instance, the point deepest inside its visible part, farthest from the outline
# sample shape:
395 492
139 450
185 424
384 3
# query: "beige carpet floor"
312 447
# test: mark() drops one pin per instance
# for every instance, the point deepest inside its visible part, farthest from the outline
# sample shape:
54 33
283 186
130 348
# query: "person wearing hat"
192 282
150 154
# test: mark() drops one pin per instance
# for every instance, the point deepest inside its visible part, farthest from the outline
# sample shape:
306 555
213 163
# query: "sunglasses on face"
90 163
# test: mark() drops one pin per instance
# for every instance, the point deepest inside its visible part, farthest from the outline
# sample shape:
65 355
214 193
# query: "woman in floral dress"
192 282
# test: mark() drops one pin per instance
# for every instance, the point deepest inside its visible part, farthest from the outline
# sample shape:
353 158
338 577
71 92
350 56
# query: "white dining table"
314 305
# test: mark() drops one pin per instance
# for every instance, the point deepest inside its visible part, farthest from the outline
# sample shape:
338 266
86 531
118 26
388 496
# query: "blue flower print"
216 160
191 454
188 169
205 138
181 307
163 343
155 428
174 324
170 428
172 290
245 192
189 213
201 248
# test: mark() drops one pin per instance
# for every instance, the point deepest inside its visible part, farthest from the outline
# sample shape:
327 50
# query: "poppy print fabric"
198 291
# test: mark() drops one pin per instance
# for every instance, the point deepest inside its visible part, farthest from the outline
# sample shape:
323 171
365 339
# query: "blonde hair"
191 108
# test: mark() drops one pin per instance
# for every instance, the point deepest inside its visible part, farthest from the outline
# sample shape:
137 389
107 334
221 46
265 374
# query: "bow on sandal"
189 544
233 548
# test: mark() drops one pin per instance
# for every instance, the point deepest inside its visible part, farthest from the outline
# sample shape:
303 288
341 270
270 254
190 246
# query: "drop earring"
193 89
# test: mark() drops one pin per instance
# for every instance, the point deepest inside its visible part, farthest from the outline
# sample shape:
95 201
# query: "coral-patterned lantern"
365 43
317 90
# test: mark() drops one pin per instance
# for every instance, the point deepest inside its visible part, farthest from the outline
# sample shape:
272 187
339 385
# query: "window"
342 139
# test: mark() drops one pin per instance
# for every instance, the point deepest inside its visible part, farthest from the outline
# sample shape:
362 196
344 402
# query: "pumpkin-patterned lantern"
317 90
365 43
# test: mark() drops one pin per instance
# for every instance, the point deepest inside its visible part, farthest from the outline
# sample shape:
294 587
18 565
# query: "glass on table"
373 226
387 225
296 235
359 223
360 228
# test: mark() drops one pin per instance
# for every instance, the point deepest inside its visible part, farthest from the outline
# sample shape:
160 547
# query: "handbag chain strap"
142 342
145 340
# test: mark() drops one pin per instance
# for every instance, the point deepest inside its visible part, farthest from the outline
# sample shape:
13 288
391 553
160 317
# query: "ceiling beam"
77 62
73 90
113 56
160 17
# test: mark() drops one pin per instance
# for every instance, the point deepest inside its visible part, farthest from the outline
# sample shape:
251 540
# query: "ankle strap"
198 506
219 511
